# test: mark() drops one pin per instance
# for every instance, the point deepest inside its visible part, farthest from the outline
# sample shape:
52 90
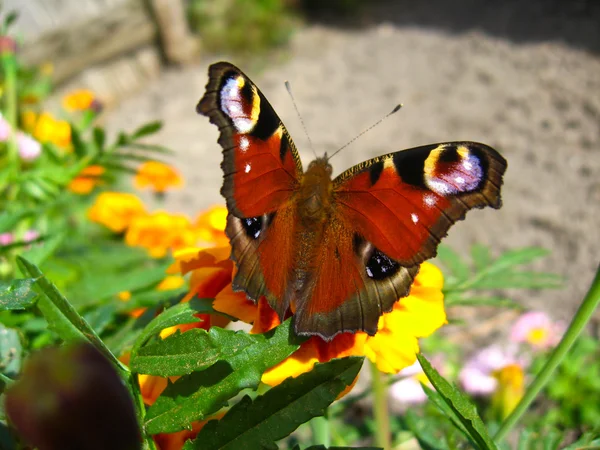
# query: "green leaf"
424 430
99 136
517 257
460 405
11 17
9 219
276 414
11 352
146 129
175 315
481 257
200 394
523 280
78 143
500 302
17 294
38 253
60 314
453 262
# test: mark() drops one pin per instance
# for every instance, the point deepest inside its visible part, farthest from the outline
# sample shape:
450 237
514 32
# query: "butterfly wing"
390 213
261 169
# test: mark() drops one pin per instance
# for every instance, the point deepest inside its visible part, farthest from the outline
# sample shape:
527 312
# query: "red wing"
260 162
403 203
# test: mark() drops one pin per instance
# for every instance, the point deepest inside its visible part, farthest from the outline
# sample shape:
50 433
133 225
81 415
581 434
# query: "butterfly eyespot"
379 266
253 226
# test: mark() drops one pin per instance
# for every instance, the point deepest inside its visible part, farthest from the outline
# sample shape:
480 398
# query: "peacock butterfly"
341 252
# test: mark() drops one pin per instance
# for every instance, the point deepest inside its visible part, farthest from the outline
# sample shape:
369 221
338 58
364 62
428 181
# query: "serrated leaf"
460 404
453 261
276 414
11 352
146 129
17 294
201 394
175 315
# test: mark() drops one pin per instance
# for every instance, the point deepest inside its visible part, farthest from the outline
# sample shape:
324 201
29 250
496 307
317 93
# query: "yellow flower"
210 226
509 391
160 232
78 100
158 176
393 348
116 210
87 180
48 129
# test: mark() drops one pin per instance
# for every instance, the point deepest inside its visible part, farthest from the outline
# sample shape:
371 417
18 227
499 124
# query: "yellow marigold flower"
48 129
116 210
510 389
210 227
79 100
393 348
158 176
124 296
87 180
171 282
160 232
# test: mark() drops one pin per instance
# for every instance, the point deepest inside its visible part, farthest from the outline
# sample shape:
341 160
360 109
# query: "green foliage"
570 408
465 280
229 362
270 417
241 26
459 408
17 294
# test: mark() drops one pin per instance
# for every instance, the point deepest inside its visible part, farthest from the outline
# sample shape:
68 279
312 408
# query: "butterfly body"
338 252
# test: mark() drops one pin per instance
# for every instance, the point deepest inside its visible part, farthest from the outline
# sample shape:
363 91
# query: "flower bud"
71 397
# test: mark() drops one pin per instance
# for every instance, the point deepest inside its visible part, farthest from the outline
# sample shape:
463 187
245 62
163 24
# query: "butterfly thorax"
314 196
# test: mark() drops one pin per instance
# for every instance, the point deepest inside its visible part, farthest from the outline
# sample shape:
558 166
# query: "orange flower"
115 210
175 441
160 232
87 180
45 128
210 226
157 175
393 348
79 100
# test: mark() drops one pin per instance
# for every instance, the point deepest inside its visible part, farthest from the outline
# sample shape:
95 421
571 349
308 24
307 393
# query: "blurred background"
523 77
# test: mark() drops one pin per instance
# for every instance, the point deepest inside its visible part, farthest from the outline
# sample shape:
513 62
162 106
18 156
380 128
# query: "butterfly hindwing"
260 162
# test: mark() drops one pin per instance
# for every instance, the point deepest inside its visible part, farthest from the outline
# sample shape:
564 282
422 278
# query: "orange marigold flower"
158 176
393 348
160 232
210 227
87 180
79 100
175 441
116 210
49 129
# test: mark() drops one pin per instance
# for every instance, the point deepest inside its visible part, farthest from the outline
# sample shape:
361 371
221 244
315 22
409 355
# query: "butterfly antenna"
395 110
289 89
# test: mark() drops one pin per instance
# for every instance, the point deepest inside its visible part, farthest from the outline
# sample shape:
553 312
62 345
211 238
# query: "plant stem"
380 408
581 318
320 431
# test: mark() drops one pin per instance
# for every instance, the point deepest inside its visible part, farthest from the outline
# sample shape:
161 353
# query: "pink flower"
537 329
31 235
409 390
478 376
6 238
29 148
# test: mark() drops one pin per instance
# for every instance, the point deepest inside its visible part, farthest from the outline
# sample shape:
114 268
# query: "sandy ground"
523 77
